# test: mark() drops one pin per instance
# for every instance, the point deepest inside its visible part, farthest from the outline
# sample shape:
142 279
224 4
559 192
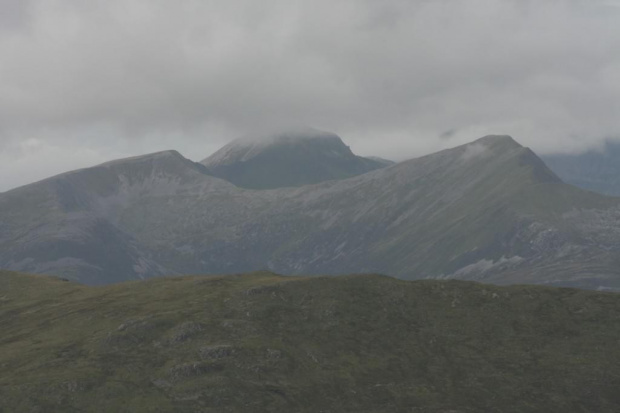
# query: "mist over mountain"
597 171
286 159
490 211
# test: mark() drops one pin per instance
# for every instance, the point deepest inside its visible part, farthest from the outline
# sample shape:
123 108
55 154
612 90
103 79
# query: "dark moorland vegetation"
267 343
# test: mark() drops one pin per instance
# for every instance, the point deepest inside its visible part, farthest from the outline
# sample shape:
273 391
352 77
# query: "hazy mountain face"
597 171
489 210
288 159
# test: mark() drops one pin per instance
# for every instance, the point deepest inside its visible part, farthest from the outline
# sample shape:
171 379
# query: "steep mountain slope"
266 343
67 224
490 210
288 159
596 171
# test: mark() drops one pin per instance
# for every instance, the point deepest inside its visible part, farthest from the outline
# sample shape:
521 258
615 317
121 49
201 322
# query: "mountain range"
595 170
490 211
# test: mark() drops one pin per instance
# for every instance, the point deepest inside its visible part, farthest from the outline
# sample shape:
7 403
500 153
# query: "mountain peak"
497 141
505 144
289 158
170 164
292 135
246 148
155 156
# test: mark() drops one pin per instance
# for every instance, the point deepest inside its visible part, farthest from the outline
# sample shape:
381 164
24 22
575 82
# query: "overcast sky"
83 82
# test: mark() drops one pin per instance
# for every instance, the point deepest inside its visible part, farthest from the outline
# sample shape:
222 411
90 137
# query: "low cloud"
91 81
473 151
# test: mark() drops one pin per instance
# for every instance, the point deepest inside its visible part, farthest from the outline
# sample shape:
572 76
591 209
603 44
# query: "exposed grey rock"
185 332
274 354
216 352
137 324
187 370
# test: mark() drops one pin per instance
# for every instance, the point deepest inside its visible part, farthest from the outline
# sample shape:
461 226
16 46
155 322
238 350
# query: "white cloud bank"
84 82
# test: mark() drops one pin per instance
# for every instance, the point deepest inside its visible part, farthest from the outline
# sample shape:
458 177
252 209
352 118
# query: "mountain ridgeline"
489 211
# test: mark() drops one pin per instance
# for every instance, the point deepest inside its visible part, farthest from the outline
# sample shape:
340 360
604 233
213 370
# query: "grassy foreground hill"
267 343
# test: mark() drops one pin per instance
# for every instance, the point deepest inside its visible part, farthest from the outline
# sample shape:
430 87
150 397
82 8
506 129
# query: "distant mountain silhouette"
597 171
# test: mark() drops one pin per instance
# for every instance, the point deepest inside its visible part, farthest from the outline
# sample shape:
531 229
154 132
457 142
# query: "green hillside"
267 343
